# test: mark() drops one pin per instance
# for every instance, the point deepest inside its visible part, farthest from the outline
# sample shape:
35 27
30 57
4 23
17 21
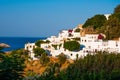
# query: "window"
71 54
27 47
116 44
33 47
89 47
87 51
82 40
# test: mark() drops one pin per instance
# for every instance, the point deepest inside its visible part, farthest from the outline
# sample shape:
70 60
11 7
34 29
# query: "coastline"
18 42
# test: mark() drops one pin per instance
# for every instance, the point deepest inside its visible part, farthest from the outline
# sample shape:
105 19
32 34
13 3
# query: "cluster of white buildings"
90 43
93 43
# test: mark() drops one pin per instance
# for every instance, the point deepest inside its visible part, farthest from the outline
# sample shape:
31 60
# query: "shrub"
44 59
39 51
62 58
72 45
38 43
77 30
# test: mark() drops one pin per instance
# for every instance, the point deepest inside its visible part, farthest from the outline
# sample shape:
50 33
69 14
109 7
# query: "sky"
44 18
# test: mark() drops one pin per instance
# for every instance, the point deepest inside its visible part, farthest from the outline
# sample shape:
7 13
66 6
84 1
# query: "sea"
18 42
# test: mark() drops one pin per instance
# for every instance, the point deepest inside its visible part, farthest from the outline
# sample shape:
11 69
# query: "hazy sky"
40 18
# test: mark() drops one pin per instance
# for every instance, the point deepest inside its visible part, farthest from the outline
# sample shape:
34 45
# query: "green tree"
112 26
117 9
77 30
21 52
72 45
11 67
96 21
50 72
47 41
62 58
38 43
100 66
38 52
44 59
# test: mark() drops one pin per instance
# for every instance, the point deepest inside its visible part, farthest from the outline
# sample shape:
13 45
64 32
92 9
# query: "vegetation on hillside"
110 27
100 66
117 9
62 58
35 70
96 21
12 65
38 52
44 59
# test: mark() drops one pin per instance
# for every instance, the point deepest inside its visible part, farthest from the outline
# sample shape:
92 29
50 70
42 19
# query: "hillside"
109 25
34 67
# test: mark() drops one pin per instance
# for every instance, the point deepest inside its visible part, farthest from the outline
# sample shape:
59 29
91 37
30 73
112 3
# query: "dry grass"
38 68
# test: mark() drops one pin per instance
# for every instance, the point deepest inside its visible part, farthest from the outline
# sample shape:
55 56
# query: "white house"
29 47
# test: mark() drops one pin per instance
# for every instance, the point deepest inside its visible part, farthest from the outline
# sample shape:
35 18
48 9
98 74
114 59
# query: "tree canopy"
62 58
117 9
100 66
39 42
44 59
72 45
39 51
77 30
96 21
112 26
11 66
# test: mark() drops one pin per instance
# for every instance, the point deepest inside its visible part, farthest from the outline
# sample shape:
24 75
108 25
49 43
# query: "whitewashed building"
29 47
91 42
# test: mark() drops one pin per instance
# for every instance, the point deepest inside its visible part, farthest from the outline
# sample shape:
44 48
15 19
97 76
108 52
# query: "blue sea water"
18 42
